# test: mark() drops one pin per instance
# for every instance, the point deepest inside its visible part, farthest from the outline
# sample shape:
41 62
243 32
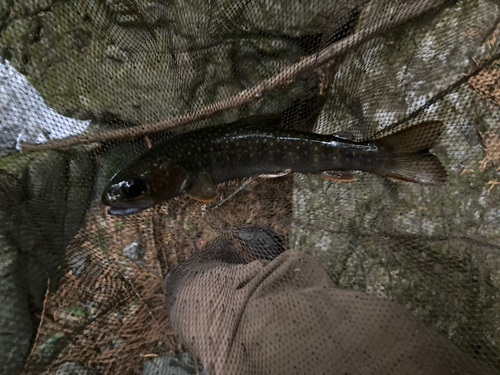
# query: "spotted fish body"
193 162
234 150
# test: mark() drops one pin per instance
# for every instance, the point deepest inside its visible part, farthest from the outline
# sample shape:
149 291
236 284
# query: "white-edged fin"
203 189
347 135
342 176
119 211
275 174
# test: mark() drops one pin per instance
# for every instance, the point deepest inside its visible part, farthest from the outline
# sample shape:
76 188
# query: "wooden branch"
282 79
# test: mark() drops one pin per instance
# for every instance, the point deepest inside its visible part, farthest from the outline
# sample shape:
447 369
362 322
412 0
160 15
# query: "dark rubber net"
289 275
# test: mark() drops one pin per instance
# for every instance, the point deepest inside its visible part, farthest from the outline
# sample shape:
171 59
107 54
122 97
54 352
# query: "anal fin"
203 189
275 174
342 176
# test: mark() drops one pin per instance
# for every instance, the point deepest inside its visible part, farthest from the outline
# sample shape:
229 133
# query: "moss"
17 31
17 162
188 225
114 165
425 248
46 349
99 242
119 225
147 221
77 311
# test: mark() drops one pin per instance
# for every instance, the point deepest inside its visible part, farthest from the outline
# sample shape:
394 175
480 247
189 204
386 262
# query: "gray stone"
78 261
409 66
263 241
15 322
94 60
80 176
134 251
181 364
293 19
432 249
74 368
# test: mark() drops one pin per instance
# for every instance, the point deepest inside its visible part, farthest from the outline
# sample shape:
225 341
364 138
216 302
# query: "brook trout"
194 162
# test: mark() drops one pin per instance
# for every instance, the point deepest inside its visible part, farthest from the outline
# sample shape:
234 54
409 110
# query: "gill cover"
142 184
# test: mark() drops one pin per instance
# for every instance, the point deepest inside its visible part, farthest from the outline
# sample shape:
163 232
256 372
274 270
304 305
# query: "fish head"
143 184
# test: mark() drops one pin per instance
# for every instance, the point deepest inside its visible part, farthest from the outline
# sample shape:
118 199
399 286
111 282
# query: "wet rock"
134 251
404 68
74 368
293 19
15 321
263 241
42 205
122 62
47 220
181 364
431 249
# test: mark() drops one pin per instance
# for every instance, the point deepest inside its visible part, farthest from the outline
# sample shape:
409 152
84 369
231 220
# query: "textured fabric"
287 317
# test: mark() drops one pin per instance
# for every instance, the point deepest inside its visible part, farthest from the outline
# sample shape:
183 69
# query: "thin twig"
196 364
137 294
244 185
41 319
282 79
491 31
148 141
157 227
493 183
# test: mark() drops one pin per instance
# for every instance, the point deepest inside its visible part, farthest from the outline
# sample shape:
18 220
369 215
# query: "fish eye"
134 188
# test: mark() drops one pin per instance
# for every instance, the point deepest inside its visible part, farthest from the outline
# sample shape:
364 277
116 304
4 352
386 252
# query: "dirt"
106 310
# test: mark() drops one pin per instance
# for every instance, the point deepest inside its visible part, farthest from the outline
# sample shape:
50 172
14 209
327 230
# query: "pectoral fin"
203 189
342 176
344 135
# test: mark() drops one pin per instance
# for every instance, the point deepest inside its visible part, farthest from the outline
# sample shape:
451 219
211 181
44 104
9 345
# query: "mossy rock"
431 249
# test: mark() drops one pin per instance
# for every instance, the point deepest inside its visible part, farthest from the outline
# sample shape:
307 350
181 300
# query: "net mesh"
285 275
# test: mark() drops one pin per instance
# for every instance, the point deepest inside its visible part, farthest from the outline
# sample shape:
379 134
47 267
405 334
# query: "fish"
194 162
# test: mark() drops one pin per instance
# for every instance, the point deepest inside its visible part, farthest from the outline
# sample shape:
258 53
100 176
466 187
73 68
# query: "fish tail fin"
408 155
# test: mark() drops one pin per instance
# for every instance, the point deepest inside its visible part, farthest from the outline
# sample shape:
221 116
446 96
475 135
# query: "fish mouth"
119 211
129 208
